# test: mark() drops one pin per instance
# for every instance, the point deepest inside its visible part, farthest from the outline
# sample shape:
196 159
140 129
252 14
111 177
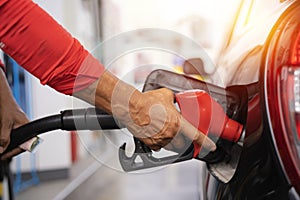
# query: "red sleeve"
44 48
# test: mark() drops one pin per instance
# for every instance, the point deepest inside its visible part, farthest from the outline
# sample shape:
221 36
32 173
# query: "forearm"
150 116
109 93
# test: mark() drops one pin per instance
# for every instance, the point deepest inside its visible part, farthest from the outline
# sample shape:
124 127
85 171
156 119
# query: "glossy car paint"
262 171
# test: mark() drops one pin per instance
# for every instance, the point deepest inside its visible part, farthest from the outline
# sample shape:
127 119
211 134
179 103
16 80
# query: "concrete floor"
96 181
90 179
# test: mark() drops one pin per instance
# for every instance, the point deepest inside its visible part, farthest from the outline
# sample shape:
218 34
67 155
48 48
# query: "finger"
20 120
168 95
178 144
12 153
195 135
170 147
149 142
4 138
176 148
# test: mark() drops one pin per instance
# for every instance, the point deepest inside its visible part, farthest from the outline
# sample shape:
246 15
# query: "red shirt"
44 48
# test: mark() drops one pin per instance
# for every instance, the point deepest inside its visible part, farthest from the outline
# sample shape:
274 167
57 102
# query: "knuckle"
4 142
155 148
198 138
167 91
169 135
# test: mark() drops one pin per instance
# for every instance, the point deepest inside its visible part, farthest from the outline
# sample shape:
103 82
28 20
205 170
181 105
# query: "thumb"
197 136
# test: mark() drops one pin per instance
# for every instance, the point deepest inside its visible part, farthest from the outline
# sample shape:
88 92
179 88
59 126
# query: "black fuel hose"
79 119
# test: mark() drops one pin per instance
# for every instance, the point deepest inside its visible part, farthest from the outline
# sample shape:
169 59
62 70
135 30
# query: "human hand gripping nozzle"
203 112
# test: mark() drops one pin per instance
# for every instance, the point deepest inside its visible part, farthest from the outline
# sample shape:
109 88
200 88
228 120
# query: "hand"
155 120
11 115
151 116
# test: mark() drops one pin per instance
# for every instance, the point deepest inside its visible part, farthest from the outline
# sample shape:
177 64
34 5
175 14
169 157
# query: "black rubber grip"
87 119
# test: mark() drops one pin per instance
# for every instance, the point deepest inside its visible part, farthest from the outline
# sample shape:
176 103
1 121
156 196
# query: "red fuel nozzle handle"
201 111
208 116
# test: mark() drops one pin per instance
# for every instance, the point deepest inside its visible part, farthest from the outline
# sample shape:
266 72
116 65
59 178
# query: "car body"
258 63
267 52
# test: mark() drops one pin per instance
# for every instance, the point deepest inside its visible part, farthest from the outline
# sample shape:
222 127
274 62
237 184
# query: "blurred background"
84 165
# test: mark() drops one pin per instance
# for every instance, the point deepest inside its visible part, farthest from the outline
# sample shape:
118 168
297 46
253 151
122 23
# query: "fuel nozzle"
207 115
203 112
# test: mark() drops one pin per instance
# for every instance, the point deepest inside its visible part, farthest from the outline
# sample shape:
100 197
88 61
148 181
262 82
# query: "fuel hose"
78 119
